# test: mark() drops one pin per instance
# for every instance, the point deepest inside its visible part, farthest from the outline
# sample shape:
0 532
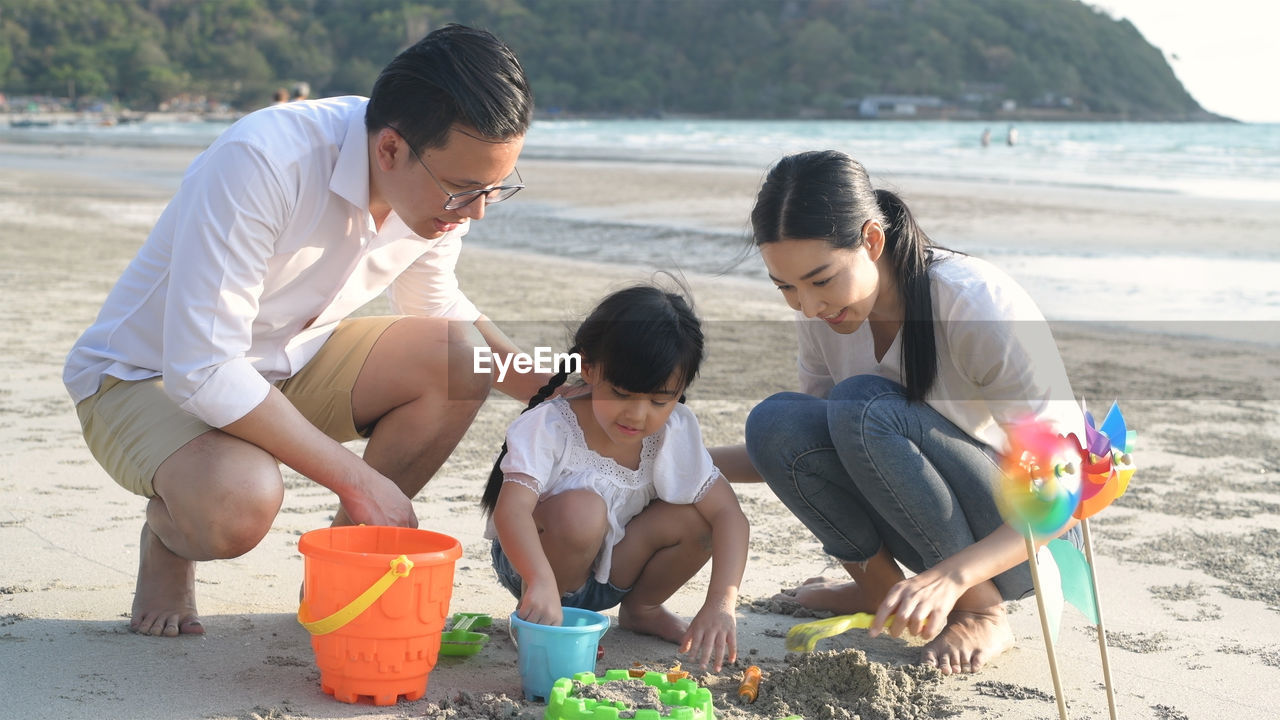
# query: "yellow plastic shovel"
805 636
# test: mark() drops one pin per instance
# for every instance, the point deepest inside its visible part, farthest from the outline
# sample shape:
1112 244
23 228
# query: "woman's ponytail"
909 252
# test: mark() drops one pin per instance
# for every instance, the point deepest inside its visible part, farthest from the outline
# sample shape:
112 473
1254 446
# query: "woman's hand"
712 637
920 604
923 603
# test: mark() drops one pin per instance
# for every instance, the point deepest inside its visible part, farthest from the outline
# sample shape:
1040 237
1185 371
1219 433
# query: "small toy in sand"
805 636
459 640
750 687
586 696
637 670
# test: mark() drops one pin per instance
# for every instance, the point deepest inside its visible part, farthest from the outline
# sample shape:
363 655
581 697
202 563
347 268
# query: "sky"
1223 51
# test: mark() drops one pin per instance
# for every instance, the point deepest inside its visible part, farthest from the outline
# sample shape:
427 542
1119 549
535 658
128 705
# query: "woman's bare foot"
653 620
164 601
842 597
870 583
969 641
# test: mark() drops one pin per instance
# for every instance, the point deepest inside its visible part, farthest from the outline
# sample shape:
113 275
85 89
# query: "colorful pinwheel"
1039 491
1048 479
1040 487
1108 462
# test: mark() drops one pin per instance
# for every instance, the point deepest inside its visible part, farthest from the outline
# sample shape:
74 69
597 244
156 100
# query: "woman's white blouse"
997 359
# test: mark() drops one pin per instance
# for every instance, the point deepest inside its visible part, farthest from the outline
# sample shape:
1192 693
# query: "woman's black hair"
827 195
455 74
638 338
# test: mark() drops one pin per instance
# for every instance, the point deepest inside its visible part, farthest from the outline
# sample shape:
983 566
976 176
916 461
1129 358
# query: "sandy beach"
1188 560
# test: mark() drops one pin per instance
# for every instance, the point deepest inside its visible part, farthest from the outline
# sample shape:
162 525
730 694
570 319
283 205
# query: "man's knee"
467 380
429 356
222 493
244 514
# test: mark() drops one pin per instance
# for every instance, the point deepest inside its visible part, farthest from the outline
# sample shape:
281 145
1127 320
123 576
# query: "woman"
912 359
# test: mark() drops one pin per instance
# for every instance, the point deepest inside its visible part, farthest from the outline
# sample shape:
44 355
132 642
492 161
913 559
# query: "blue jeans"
593 595
865 469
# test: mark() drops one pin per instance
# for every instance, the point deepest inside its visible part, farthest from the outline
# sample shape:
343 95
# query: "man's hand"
375 500
367 496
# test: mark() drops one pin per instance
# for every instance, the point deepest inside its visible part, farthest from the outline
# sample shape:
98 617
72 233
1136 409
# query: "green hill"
740 58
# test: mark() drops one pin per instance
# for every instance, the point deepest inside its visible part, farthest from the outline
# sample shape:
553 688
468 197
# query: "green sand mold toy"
460 641
686 700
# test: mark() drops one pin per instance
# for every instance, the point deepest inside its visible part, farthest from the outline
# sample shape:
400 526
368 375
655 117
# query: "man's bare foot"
843 597
164 601
653 620
969 641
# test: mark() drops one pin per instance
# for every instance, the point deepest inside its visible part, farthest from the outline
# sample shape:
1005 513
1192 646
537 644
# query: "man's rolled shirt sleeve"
235 207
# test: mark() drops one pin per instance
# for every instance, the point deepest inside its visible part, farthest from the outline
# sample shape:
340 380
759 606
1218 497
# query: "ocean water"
1196 293
1231 295
1240 161
1223 160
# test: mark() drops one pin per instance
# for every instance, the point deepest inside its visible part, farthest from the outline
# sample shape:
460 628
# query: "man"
225 347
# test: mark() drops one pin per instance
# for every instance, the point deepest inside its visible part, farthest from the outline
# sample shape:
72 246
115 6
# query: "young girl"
609 497
912 360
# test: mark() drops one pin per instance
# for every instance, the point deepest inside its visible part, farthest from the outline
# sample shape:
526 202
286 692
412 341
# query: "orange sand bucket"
375 600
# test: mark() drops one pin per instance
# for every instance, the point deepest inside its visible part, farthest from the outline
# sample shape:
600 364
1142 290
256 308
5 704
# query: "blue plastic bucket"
550 652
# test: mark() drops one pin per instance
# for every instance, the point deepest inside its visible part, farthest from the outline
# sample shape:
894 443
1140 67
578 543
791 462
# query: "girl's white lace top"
546 445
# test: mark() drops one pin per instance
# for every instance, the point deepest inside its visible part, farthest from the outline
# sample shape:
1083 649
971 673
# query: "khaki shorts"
133 427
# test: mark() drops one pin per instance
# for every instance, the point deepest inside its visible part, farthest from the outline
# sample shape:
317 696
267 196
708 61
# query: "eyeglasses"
494 194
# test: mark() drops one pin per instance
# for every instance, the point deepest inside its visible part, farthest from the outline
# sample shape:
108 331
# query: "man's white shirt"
266 246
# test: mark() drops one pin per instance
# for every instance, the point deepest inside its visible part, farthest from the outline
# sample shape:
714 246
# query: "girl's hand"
920 604
712 637
541 604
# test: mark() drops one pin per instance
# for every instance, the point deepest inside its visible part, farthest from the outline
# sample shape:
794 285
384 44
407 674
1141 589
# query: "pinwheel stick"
1044 625
1102 633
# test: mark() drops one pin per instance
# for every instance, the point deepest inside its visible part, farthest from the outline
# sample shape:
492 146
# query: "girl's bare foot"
969 641
652 620
164 601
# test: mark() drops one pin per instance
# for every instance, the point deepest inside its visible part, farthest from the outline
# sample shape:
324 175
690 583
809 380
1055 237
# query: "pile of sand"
828 685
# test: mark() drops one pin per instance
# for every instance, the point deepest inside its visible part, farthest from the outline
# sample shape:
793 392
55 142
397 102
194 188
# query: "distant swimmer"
1012 138
986 137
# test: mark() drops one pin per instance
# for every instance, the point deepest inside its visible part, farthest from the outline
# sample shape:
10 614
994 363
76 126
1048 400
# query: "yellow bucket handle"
324 626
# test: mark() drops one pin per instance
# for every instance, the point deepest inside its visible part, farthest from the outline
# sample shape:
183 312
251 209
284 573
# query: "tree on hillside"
758 58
